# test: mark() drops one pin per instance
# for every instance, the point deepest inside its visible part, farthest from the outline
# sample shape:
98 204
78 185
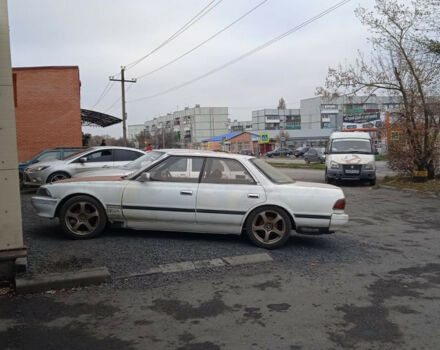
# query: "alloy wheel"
82 218
268 227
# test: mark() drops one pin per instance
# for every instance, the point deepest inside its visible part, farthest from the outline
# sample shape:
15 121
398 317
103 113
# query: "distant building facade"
47 108
276 119
240 125
134 130
190 126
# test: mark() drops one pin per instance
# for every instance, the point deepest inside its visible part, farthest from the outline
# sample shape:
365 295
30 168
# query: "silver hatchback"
91 159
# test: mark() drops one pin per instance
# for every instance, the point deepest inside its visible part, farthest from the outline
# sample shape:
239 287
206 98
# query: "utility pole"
124 114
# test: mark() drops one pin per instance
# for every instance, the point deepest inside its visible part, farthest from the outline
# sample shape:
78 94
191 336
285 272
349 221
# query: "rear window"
271 173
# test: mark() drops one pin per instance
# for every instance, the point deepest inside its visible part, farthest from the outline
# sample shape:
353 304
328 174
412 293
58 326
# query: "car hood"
53 162
90 179
104 172
351 158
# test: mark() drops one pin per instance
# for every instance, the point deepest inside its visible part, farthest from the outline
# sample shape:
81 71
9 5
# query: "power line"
118 99
203 42
106 90
251 52
208 8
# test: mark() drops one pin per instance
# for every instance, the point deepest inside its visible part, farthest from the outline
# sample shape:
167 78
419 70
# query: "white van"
350 156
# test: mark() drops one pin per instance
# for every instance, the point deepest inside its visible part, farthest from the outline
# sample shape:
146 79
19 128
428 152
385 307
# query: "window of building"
226 171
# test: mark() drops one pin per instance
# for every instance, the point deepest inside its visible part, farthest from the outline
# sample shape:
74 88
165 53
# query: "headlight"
38 168
334 165
370 166
43 192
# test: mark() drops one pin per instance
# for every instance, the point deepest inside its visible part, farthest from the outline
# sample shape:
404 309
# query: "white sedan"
196 191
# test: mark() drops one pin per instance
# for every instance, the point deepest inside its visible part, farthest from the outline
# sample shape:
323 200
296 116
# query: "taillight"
340 204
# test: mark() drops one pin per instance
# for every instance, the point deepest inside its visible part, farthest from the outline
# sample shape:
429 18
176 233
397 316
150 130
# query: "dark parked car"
280 152
246 152
315 155
47 156
300 151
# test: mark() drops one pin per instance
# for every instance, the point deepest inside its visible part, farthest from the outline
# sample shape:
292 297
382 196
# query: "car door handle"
253 195
186 193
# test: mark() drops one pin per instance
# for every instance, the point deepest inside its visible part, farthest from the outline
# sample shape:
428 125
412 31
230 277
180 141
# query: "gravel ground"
372 285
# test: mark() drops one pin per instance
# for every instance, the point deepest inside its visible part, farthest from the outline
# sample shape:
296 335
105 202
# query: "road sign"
264 137
283 138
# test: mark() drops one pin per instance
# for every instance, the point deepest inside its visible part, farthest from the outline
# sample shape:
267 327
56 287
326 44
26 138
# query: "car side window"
124 155
49 156
226 171
176 169
104 155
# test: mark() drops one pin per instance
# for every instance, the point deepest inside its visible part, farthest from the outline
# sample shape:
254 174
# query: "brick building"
47 108
233 142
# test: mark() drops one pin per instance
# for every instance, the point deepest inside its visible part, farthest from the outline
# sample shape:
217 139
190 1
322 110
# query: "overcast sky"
101 35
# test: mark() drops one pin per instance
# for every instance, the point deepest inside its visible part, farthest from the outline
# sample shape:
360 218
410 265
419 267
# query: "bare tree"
281 103
400 64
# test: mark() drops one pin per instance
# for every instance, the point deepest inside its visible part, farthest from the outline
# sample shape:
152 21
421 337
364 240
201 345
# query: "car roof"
203 153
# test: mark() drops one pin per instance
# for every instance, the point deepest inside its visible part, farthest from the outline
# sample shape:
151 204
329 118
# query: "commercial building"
47 108
276 119
189 126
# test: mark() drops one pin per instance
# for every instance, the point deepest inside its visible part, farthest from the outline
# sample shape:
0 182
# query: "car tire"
59 175
82 217
327 179
268 227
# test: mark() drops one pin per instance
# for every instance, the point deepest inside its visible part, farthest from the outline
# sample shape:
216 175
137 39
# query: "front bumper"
33 179
337 220
338 174
45 206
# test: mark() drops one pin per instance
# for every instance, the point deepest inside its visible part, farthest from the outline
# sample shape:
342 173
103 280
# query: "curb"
434 194
41 283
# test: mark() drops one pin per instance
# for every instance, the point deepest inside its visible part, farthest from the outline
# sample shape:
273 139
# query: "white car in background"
196 191
91 159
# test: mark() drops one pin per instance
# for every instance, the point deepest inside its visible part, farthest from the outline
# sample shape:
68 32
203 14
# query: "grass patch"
406 183
316 166
381 157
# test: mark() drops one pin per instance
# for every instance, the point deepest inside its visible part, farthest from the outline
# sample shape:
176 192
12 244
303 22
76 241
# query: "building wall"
192 125
242 141
273 119
47 108
133 130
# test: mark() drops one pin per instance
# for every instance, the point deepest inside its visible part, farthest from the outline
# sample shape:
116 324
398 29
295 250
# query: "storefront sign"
362 121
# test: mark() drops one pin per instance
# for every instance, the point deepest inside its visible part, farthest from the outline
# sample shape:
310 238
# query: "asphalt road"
372 285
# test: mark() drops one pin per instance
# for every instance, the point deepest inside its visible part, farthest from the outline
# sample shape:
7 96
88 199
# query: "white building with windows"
190 126
276 119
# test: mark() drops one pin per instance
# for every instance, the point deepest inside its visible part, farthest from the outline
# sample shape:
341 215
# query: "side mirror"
83 160
144 177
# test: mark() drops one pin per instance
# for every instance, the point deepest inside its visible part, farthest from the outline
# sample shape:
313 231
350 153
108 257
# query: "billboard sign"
363 121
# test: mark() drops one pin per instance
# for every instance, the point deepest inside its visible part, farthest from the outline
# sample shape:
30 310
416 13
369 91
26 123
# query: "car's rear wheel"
57 177
82 217
268 227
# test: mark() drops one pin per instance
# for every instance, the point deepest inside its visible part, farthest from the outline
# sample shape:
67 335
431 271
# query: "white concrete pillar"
11 235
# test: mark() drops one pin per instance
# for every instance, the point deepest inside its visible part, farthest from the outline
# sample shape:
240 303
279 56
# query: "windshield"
271 173
73 155
351 146
150 157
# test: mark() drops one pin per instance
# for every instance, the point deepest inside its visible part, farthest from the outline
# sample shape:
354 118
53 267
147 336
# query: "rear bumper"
337 220
45 206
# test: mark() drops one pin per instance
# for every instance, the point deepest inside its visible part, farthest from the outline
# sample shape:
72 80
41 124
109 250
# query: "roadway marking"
202 264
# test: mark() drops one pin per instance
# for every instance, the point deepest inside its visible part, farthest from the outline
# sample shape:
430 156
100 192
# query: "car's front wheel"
82 217
57 177
268 227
